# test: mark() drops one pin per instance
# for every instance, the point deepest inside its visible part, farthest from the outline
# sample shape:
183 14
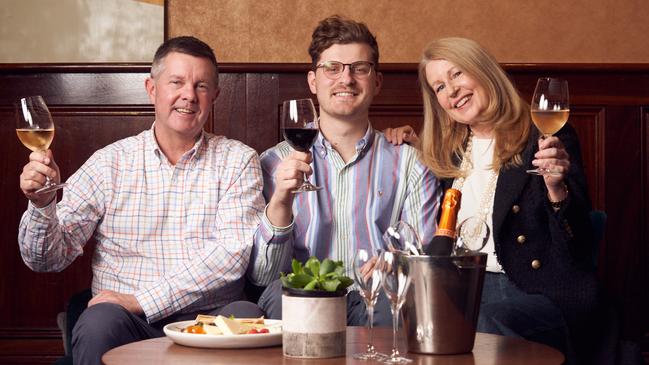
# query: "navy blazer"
526 229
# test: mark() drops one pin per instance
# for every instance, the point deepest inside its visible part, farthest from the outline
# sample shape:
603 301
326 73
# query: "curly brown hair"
339 30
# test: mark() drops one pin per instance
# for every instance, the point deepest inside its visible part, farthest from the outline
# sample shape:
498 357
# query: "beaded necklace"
487 199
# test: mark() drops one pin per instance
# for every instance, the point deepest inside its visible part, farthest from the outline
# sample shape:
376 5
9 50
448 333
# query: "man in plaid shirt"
173 211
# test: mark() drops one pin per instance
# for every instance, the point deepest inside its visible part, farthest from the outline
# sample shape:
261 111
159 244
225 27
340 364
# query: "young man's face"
347 97
183 93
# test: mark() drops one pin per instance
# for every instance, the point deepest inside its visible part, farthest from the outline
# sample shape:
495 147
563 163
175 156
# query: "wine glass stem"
370 325
395 327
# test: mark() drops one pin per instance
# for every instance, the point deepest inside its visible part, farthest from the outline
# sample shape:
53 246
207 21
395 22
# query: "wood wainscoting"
94 105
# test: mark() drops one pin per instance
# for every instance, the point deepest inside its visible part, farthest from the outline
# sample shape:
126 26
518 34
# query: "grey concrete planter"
313 324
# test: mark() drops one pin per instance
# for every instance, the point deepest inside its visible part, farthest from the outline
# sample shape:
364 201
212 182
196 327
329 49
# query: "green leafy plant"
314 275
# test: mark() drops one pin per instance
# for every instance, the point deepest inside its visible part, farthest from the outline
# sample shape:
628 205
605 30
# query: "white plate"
273 338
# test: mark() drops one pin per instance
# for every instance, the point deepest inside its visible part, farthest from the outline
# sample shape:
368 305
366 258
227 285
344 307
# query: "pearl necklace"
487 199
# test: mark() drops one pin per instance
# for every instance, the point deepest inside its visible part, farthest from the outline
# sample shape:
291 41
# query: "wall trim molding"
304 67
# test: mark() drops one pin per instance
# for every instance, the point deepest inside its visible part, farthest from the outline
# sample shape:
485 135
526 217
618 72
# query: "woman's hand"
553 157
400 135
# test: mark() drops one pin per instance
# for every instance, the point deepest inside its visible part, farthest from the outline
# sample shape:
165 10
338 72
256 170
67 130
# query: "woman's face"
459 94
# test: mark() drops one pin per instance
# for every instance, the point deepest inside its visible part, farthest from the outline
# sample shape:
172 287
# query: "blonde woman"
478 137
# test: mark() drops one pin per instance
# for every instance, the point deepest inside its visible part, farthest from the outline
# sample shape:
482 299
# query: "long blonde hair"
443 139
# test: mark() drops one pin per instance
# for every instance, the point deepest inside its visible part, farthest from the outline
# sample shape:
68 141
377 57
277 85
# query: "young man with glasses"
368 183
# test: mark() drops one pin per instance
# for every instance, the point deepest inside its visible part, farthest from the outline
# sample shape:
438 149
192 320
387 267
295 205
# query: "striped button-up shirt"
176 237
360 199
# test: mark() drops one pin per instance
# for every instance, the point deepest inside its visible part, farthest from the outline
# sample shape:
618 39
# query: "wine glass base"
542 172
371 356
397 360
49 188
306 188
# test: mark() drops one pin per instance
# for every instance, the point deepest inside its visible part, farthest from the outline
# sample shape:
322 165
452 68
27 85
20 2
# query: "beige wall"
516 31
80 30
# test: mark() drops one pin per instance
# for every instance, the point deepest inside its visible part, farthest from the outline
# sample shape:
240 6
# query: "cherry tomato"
252 331
263 330
196 329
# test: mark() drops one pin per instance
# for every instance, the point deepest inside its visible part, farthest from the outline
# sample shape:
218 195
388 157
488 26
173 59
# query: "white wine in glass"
35 130
550 109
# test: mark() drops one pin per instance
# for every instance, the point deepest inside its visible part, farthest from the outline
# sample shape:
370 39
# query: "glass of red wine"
300 129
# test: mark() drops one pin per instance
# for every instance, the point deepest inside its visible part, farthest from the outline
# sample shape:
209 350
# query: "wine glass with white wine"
550 109
35 129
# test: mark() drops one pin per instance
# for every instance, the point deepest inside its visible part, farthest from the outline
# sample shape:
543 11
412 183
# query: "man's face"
349 96
183 93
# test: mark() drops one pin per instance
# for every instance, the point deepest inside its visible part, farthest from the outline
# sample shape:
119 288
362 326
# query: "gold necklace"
487 198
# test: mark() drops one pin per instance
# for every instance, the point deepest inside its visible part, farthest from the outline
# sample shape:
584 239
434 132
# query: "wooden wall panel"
589 124
602 31
94 105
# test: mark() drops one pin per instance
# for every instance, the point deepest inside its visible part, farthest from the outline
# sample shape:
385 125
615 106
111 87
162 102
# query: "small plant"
314 275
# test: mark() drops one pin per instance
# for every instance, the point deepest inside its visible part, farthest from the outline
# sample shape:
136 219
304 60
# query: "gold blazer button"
520 239
536 264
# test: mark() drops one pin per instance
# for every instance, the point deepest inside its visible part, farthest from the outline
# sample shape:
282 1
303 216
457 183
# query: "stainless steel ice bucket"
443 302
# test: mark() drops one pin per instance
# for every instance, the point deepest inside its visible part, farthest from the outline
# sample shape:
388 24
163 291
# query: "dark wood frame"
99 103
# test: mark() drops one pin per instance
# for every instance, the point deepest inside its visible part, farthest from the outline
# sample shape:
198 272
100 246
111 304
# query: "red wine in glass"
300 139
300 129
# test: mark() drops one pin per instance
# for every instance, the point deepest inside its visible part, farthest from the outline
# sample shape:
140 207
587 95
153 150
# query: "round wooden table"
488 350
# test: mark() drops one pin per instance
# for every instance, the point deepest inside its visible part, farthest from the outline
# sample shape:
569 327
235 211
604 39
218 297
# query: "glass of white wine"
550 110
35 129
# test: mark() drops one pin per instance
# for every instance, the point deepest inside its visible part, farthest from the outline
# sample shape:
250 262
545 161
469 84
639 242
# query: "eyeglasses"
334 69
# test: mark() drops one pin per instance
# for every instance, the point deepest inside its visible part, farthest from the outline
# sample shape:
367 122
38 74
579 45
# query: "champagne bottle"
444 239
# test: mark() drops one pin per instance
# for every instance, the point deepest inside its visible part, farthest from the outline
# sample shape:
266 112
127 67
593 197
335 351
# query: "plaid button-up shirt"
177 237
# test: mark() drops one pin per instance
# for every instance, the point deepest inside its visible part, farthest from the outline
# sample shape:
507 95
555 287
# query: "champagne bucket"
443 303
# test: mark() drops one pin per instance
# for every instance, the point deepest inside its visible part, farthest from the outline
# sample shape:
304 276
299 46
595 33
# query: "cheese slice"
212 329
230 326
204 318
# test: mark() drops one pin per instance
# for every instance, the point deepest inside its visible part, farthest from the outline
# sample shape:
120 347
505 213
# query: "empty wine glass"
472 236
396 281
35 130
403 238
369 279
549 109
300 129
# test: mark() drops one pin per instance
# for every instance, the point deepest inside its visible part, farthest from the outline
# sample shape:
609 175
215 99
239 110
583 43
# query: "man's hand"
41 165
367 270
400 135
289 175
127 301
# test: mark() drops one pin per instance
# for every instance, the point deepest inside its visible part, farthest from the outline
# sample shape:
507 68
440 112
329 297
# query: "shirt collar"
189 155
323 146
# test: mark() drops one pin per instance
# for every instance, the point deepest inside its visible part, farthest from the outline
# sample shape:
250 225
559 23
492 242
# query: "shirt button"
516 209
520 239
536 264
